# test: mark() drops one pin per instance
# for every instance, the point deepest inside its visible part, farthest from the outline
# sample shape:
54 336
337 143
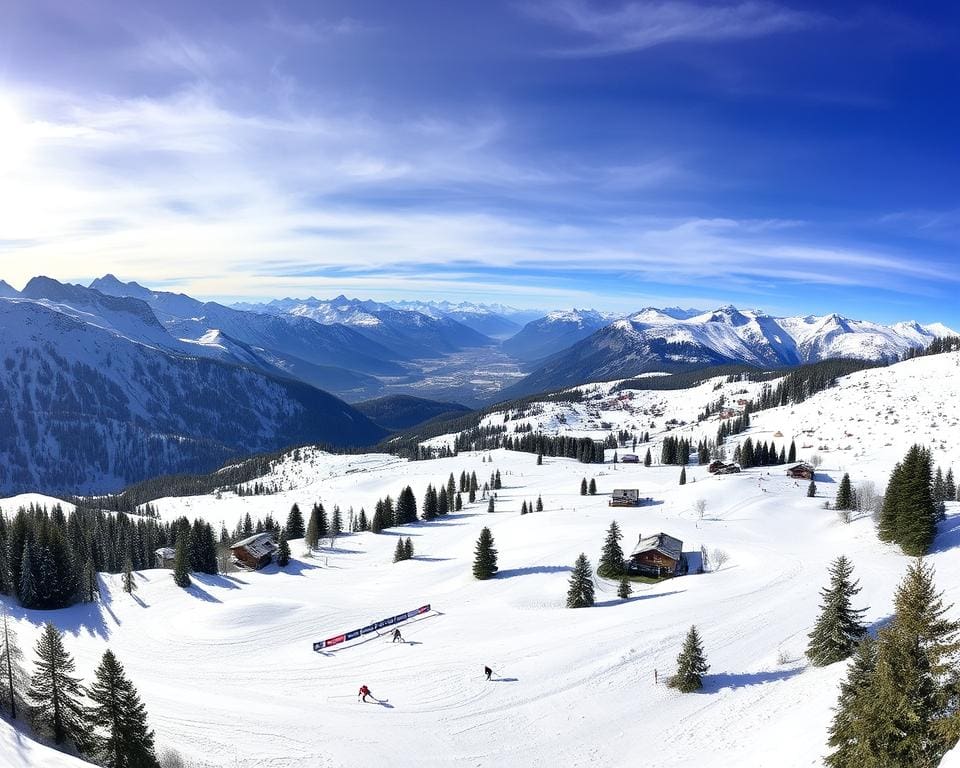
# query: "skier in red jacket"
364 692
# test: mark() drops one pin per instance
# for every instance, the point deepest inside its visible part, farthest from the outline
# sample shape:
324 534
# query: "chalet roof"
626 491
258 545
660 542
802 465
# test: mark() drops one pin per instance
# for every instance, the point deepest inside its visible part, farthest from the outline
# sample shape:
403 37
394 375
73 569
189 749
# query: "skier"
487 671
364 692
397 637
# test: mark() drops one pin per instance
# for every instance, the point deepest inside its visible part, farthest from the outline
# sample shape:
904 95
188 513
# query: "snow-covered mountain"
497 321
86 406
554 332
406 333
654 340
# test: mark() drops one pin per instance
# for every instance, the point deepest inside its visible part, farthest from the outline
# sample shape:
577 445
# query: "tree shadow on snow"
215 580
505 680
194 591
431 559
634 598
512 572
76 620
714 683
948 534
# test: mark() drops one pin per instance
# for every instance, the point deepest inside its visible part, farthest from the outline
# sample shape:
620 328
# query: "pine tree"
691 664
683 476
792 456
844 494
648 459
399 553
580 591
312 535
408 549
129 582
458 502
839 628
283 550
593 487
909 514
523 508
443 505
949 486
181 563
295 523
610 564
812 489
583 487
849 734
539 458
624 590
28 594
485 557
11 672
54 693
539 504
122 738
496 481
336 521
490 507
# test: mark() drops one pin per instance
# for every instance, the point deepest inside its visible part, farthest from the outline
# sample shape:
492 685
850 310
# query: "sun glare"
15 136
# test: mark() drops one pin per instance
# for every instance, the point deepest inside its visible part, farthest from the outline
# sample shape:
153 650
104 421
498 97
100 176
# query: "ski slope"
229 676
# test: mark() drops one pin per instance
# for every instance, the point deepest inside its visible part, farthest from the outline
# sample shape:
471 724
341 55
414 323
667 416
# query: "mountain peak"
112 286
7 291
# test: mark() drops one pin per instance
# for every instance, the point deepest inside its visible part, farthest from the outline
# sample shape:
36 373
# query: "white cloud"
638 25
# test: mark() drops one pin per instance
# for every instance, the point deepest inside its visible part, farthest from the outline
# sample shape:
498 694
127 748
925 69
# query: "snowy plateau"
230 678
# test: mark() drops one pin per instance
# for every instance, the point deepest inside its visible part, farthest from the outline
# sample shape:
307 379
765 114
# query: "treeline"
936 347
763 455
583 449
50 560
106 722
911 509
802 383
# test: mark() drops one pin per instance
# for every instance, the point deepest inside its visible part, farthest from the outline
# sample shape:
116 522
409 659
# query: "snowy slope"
571 688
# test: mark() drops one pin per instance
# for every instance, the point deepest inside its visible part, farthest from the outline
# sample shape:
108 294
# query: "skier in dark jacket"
487 671
364 692
397 637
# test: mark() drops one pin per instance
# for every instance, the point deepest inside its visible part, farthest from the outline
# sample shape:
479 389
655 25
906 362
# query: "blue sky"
796 157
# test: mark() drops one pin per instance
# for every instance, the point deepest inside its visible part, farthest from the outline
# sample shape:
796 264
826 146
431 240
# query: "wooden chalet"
625 497
722 468
255 551
164 556
630 458
657 555
801 471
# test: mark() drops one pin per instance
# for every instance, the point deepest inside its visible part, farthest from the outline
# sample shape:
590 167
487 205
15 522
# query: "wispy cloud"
637 25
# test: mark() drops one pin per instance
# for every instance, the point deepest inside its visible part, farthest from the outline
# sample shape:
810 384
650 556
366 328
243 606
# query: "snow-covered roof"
660 542
258 545
167 553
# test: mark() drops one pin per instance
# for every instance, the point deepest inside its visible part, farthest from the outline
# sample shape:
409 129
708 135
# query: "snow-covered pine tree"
54 693
485 556
610 564
691 664
839 628
580 590
399 553
121 737
294 527
283 550
181 562
624 590
27 591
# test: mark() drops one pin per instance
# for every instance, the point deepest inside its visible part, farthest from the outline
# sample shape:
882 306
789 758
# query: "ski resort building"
625 497
255 551
630 458
657 555
802 471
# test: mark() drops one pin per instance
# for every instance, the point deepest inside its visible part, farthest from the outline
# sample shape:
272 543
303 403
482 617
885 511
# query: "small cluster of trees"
404 550
909 513
588 488
526 508
749 455
110 727
675 450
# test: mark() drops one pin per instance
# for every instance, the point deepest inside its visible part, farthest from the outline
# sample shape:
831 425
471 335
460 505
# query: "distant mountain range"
658 340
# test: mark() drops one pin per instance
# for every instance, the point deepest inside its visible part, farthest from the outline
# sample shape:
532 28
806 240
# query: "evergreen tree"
691 664
407 507
399 553
909 514
812 489
844 494
11 672
485 557
90 586
539 458
312 535
408 549
362 521
839 628
54 693
29 597
181 563
949 486
336 521
490 507
648 459
283 550
295 528
523 508
443 505
583 487
129 582
122 738
458 502
496 481
683 476
580 590
593 487
539 504
849 734
624 590
792 456
610 564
